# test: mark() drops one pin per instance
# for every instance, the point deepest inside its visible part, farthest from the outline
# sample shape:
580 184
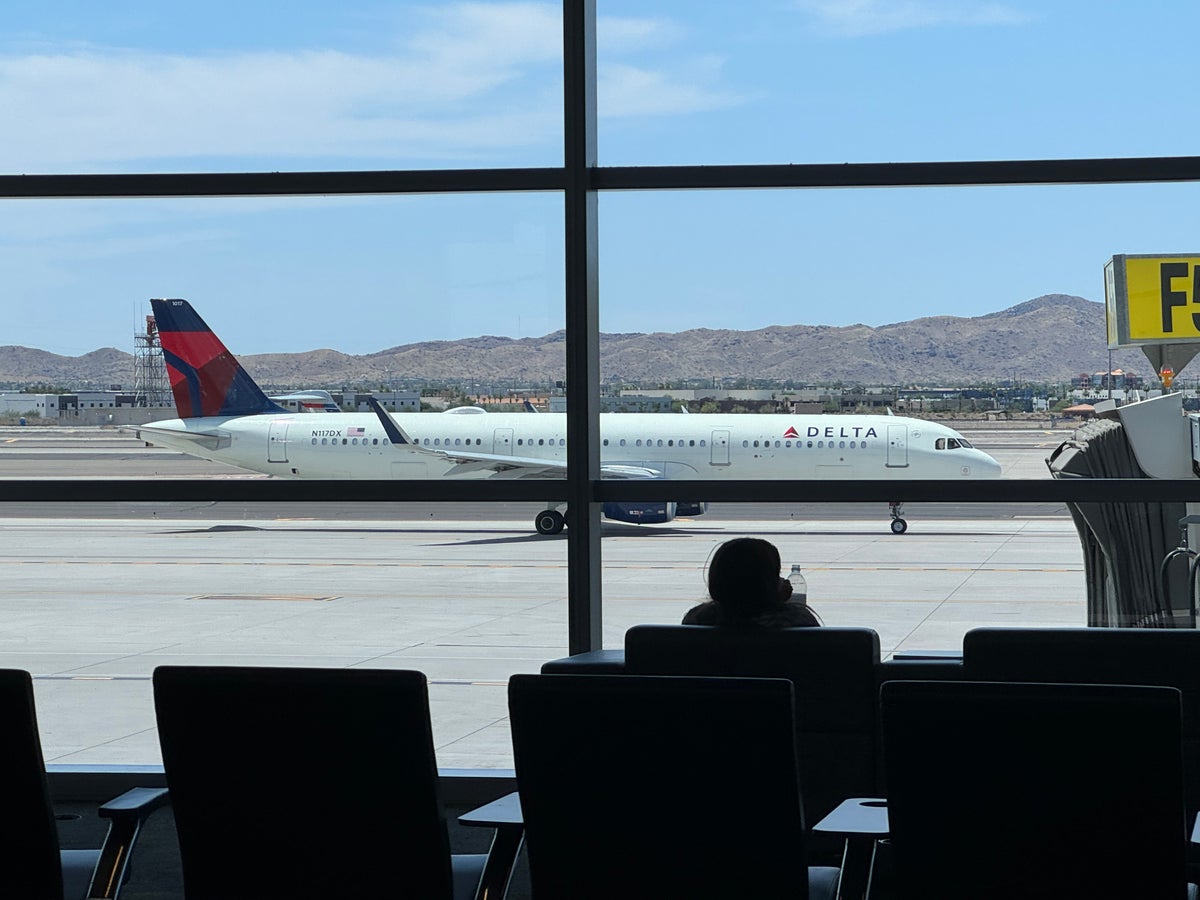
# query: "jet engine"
653 513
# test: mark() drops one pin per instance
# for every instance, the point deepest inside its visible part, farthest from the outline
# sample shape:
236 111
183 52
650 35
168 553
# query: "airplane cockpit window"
940 444
952 443
963 442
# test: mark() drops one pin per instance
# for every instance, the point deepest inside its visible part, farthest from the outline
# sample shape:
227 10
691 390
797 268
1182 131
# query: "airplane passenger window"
457 442
345 441
701 443
671 443
745 443
541 442
324 441
660 442
562 442
520 442
691 443
622 442
604 443
314 442
842 444
820 445
852 445
639 442
777 445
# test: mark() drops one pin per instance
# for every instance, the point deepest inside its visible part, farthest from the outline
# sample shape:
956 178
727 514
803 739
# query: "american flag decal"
355 431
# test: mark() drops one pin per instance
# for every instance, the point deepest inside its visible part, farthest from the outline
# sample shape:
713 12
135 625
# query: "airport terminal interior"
1053 605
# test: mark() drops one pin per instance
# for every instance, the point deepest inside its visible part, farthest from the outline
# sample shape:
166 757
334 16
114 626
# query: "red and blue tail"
207 379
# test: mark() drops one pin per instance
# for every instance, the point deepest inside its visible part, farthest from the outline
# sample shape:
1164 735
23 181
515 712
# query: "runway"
92 600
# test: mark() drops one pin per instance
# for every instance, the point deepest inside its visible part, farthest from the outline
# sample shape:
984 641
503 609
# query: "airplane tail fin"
206 379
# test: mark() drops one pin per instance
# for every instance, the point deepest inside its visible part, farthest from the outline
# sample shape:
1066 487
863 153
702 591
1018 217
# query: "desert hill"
1050 338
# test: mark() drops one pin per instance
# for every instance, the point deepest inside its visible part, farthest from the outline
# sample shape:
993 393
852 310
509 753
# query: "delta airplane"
225 417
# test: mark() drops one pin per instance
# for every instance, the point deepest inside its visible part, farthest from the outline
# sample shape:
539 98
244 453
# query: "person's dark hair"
744 575
743 578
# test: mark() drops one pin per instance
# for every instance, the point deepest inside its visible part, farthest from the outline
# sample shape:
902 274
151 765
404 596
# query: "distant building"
81 407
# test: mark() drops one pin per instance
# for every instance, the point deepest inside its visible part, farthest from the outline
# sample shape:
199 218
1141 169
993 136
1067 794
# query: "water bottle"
799 584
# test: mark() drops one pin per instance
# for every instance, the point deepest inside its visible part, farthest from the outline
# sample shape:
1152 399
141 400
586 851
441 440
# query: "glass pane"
814 283
96 596
813 81
347 295
957 568
142 87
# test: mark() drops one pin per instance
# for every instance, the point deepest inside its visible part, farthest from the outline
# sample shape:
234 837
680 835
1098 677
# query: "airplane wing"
501 465
526 467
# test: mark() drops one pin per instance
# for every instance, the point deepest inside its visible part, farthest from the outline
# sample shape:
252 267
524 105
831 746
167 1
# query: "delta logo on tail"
214 383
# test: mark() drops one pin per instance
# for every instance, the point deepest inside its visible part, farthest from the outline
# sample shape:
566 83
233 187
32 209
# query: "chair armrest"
127 813
135 801
506 817
857 817
499 813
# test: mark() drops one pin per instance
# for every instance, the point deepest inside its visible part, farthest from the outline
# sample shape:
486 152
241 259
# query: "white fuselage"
697 446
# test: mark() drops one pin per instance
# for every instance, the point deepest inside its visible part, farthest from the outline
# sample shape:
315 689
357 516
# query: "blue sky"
218 86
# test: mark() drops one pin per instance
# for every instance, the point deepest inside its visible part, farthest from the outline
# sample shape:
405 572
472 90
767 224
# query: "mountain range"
1050 338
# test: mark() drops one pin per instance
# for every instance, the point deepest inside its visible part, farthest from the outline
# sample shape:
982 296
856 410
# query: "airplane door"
277 442
720 447
502 442
897 456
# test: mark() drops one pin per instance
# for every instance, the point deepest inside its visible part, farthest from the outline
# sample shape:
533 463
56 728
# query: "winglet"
390 428
529 407
206 379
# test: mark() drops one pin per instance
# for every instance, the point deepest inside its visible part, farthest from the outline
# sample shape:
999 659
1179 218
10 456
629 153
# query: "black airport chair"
306 783
652 787
1037 791
833 673
32 864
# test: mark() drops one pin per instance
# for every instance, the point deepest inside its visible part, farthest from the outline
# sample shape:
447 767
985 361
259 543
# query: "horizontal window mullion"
260 184
1079 490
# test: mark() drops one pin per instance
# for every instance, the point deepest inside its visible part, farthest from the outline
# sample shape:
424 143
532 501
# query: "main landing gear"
549 521
896 508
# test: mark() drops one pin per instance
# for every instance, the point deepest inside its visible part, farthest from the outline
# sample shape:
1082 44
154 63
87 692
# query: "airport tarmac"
92 600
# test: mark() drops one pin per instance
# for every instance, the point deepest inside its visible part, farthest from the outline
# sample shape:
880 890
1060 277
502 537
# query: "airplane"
225 417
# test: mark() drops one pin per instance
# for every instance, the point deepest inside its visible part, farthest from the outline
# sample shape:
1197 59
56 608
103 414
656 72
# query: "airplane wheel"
549 521
899 526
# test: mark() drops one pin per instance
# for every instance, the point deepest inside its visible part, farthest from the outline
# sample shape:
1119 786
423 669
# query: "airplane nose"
987 467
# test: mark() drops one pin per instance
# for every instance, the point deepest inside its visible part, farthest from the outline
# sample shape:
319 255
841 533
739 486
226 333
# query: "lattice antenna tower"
151 387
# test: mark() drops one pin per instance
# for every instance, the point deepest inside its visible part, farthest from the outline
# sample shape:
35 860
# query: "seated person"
746 589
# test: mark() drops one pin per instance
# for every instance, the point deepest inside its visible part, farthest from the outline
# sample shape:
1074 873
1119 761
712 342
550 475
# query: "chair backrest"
1146 656
832 671
1002 790
29 851
658 787
302 783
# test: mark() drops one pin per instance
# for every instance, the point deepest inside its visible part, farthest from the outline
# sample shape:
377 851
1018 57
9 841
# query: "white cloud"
475 80
626 90
855 18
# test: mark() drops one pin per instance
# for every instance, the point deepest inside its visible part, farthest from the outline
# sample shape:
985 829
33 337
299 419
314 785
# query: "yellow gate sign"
1152 299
